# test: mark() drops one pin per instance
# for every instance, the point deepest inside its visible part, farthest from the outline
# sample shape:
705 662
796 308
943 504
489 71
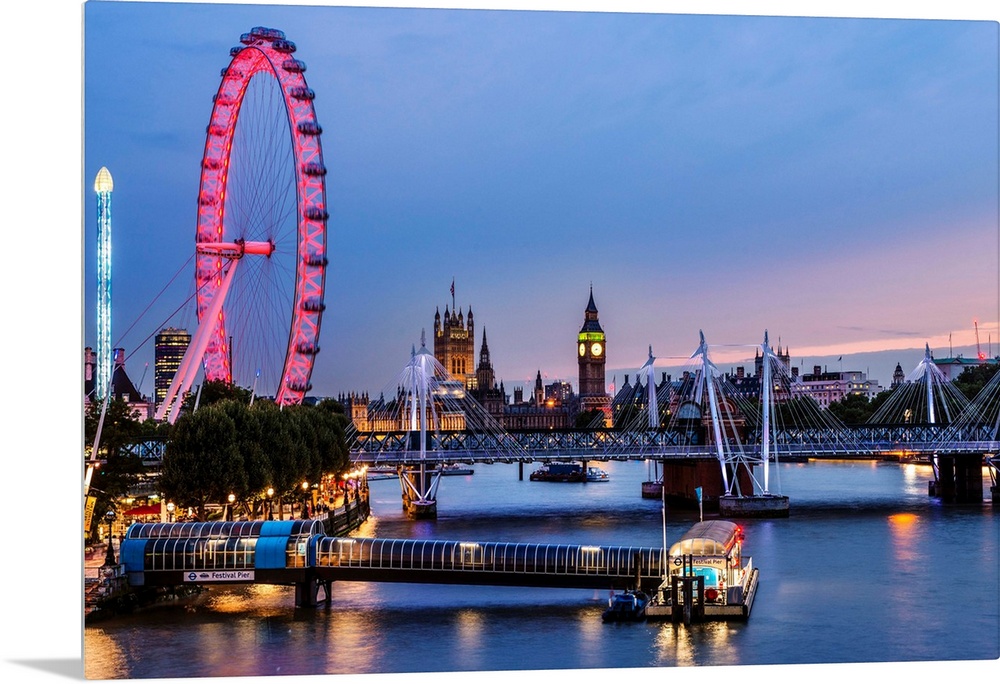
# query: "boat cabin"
712 549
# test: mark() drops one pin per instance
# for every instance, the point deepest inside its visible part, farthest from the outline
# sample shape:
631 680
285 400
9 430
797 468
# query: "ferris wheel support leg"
188 370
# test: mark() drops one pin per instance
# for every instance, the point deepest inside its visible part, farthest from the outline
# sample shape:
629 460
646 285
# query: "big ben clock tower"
591 350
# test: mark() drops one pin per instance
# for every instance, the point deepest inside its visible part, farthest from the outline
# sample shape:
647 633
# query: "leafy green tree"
331 434
202 462
590 419
256 466
854 409
305 450
879 399
972 380
119 466
277 442
800 412
214 391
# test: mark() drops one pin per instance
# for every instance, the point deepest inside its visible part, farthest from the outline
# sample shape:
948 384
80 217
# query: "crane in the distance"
979 349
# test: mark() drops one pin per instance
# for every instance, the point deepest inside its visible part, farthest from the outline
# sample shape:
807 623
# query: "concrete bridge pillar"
959 479
682 477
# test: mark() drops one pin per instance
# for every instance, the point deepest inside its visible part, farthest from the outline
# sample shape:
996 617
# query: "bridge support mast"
420 486
762 504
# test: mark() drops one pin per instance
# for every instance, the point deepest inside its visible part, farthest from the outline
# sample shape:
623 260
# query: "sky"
830 180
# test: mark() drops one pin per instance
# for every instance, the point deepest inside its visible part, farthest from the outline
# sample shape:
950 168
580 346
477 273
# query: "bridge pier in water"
307 593
959 479
419 493
682 477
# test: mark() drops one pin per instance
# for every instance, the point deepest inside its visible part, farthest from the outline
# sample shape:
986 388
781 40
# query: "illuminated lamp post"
109 557
305 493
170 511
270 503
229 507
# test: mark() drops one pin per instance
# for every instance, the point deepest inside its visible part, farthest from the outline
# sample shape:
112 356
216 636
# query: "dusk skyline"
152 142
716 173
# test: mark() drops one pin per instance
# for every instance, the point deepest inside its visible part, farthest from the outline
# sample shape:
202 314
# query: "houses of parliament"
551 406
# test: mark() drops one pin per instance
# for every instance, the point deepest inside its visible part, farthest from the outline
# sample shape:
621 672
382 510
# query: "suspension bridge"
716 439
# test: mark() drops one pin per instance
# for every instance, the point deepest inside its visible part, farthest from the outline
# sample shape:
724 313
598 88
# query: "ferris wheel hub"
236 249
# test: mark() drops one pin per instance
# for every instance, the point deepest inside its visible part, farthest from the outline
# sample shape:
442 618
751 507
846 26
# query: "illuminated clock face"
596 349
583 349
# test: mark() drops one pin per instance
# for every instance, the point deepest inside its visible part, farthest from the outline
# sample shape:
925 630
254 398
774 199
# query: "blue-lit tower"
103 185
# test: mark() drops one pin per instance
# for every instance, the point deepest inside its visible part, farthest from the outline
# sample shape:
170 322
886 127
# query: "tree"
854 409
590 419
202 462
277 444
119 466
229 447
305 451
332 423
214 391
256 466
972 380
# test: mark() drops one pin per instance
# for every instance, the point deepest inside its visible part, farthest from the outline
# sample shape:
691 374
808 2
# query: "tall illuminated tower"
592 353
103 185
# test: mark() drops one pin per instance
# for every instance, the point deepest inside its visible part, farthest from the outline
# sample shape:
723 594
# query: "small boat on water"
456 469
629 606
707 576
597 475
568 472
558 472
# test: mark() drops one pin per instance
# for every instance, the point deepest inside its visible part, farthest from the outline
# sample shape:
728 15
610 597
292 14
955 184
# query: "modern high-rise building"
170 346
103 186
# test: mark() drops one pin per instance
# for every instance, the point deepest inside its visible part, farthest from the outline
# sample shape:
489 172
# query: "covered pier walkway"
299 553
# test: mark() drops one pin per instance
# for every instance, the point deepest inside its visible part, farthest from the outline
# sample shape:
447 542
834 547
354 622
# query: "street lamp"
109 557
229 508
270 504
170 511
305 492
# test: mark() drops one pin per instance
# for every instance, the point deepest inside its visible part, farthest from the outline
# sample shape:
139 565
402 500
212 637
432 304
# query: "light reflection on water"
867 568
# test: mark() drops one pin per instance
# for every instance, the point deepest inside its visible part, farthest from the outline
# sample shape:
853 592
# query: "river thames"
866 569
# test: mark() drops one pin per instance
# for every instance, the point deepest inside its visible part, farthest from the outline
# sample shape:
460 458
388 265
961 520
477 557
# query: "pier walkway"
299 553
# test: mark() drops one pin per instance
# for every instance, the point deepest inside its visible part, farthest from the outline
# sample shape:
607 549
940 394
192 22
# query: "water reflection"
696 644
903 530
106 659
470 637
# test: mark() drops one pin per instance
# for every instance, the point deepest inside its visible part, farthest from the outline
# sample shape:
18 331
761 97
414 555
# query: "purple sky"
833 181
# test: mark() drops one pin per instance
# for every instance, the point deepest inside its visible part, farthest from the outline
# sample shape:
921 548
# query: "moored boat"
558 472
629 606
708 577
568 472
597 475
456 469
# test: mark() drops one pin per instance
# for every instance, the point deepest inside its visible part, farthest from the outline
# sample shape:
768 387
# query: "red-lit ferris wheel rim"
266 52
